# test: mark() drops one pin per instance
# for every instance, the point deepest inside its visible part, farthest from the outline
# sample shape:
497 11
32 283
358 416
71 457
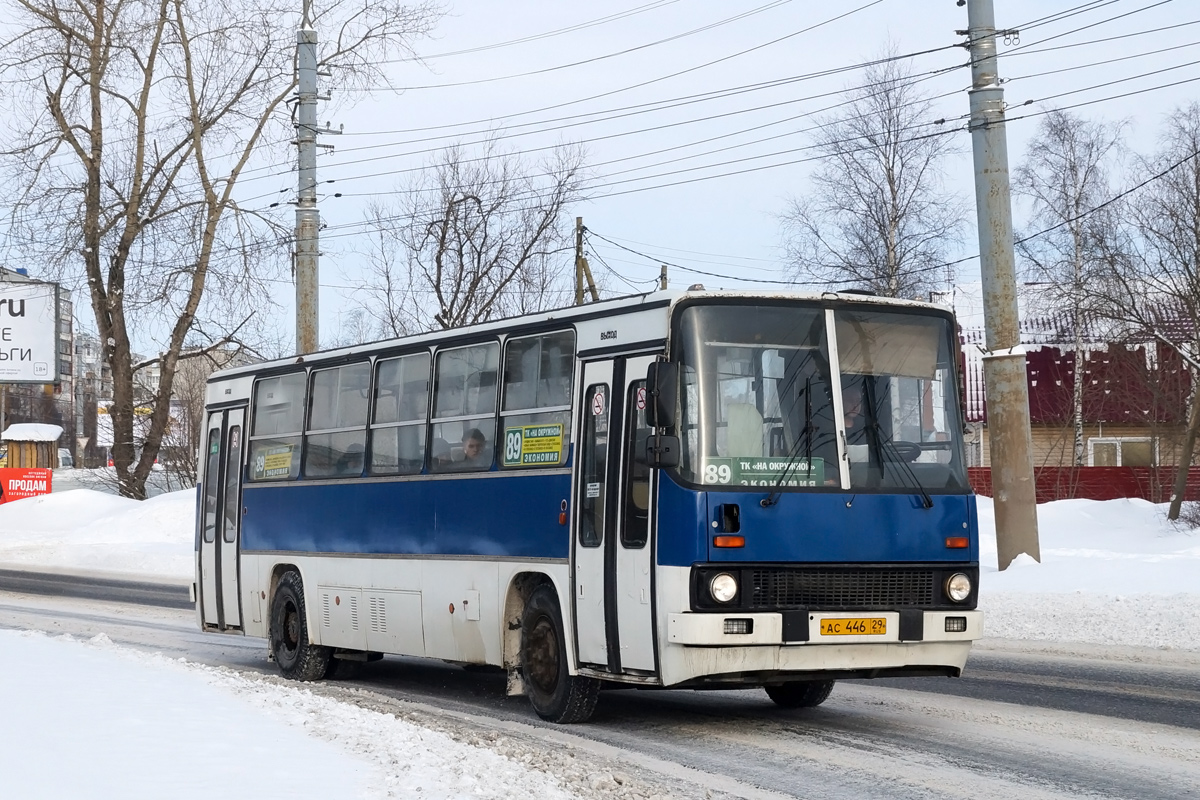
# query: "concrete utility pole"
308 218
1004 364
582 271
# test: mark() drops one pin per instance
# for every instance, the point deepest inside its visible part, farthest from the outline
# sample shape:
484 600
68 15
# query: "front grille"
838 589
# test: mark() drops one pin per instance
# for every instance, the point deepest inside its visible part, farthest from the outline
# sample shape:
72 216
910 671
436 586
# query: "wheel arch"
520 587
277 572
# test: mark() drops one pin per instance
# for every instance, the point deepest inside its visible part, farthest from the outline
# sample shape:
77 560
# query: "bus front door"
613 565
221 518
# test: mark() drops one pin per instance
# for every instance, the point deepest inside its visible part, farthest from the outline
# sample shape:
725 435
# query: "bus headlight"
723 587
958 587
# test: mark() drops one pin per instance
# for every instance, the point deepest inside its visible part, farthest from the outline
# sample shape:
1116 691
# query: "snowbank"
92 719
1113 572
90 530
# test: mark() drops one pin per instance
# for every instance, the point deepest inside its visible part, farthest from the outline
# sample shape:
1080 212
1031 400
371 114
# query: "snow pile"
91 530
1112 572
109 717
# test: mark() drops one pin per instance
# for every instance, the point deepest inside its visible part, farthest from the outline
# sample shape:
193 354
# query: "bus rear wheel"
800 694
556 695
297 657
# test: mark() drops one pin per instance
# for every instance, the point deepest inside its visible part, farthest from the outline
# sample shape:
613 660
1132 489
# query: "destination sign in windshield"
761 471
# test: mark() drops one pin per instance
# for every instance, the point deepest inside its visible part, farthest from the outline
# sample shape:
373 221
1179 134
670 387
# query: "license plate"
857 626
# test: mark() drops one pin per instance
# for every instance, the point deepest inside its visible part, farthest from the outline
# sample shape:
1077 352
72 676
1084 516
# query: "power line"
606 56
539 36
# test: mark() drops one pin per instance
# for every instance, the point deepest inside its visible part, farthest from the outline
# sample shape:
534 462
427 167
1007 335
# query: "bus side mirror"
662 452
662 383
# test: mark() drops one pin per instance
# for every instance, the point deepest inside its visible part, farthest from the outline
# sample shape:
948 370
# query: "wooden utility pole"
308 218
1004 377
662 278
582 271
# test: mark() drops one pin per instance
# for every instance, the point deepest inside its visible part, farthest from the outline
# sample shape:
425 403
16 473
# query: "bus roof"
619 305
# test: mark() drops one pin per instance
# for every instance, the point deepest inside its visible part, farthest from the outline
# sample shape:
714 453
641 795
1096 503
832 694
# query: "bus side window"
594 465
337 423
464 424
277 427
636 529
536 415
401 406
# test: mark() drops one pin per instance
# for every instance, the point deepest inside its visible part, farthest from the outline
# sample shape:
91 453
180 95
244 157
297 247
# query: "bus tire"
297 657
800 694
556 695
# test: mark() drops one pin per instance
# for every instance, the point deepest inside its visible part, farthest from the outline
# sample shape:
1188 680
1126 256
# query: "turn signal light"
958 542
729 541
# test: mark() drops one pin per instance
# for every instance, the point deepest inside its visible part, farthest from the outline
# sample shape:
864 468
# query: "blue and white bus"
677 489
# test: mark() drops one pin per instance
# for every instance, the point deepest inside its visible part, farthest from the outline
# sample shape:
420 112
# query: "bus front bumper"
818 628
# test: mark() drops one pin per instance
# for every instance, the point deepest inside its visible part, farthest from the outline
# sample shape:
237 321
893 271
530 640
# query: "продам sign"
17 483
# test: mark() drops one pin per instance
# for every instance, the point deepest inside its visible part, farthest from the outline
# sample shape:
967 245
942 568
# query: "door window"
636 527
233 474
595 464
211 484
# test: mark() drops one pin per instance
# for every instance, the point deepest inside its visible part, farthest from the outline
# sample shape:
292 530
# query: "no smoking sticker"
597 404
641 398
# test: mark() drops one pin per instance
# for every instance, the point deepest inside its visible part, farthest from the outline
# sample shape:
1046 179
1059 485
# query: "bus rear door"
221 520
613 565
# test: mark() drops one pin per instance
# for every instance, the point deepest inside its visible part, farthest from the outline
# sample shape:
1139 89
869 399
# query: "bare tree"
131 124
1065 176
878 216
473 238
1153 277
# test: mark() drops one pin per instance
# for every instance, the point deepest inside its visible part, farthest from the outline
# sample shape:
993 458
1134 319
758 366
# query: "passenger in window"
474 447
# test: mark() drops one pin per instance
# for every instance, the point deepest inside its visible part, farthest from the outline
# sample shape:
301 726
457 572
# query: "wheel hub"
542 664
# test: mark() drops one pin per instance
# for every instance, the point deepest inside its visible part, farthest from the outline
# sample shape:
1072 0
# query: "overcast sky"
658 186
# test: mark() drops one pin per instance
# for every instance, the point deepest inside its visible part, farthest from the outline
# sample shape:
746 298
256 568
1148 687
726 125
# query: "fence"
1098 483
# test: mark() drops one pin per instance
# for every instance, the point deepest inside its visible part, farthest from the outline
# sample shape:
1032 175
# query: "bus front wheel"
297 657
556 695
800 694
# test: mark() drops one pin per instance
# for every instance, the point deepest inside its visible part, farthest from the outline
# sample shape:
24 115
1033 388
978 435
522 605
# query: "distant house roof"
31 432
1118 370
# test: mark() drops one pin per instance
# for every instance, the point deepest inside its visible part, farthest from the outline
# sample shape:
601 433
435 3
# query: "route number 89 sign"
533 445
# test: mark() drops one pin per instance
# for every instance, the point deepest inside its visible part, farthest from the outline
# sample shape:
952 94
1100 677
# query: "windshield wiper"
887 441
806 438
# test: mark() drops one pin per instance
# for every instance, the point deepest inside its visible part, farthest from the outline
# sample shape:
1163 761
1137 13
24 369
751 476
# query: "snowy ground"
1113 572
126 723
130 725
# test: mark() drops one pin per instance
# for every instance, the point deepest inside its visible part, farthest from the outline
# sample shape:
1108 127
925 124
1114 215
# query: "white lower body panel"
440 608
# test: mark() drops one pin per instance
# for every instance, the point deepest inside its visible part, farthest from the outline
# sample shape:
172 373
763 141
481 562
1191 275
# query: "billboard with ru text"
28 332
17 483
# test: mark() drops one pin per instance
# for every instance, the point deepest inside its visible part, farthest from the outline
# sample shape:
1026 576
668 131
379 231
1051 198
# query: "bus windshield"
758 399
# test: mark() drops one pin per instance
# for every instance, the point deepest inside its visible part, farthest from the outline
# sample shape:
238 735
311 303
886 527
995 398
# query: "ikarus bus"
671 490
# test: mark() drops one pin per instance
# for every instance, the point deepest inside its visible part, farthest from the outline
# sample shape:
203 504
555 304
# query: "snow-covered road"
1017 737
1093 691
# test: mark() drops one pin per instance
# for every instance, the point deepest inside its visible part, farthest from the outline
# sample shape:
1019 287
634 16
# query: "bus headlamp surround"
958 587
723 587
